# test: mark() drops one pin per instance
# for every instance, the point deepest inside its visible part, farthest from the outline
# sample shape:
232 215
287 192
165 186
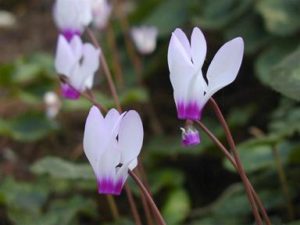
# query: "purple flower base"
69 92
69 34
190 138
108 186
189 111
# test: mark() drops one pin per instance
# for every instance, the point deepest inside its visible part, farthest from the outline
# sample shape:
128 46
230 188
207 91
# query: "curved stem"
133 207
235 154
106 70
231 159
113 207
148 196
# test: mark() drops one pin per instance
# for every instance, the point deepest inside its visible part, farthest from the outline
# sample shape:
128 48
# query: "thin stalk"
231 159
237 160
106 70
283 182
111 40
113 207
133 207
148 196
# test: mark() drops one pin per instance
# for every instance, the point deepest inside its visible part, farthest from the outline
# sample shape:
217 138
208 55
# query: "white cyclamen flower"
101 11
112 145
185 59
53 104
144 38
72 16
78 62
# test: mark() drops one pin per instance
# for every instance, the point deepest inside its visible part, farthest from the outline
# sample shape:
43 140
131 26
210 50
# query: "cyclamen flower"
144 38
52 103
78 62
112 145
72 16
185 59
101 10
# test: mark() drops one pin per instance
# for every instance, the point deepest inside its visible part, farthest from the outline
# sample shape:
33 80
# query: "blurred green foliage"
62 190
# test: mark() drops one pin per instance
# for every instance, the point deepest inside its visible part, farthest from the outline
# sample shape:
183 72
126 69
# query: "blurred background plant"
45 179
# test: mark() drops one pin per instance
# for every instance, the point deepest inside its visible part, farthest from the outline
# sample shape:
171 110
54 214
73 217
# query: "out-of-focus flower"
53 104
78 62
7 19
144 38
72 16
101 11
112 145
185 59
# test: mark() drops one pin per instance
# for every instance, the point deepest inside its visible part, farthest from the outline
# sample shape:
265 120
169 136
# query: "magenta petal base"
108 186
69 34
69 92
190 137
188 111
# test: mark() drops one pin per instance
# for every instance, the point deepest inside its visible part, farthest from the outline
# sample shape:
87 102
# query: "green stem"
284 183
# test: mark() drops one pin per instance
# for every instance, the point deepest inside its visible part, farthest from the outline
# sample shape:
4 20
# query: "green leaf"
249 27
168 15
65 212
177 207
268 59
286 76
218 14
23 201
59 168
256 154
27 127
165 178
280 17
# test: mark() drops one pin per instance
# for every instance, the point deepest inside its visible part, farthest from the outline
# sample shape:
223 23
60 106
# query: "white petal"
93 133
181 68
225 65
133 164
196 89
64 59
109 161
183 41
112 122
131 136
76 46
90 63
72 14
198 47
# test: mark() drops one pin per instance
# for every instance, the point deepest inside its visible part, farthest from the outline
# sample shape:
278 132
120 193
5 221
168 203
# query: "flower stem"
133 207
106 70
237 159
283 182
232 160
113 207
148 196
111 40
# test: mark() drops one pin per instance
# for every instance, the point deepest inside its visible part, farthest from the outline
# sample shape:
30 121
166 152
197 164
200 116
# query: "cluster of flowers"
113 143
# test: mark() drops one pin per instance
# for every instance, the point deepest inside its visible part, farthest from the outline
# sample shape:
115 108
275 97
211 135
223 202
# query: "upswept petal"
183 41
225 65
91 57
76 47
93 133
107 163
72 14
181 68
198 47
112 122
90 63
130 136
64 58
